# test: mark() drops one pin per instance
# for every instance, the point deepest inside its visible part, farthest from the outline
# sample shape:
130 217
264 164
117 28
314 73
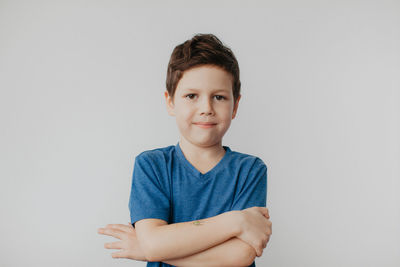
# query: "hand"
129 245
256 228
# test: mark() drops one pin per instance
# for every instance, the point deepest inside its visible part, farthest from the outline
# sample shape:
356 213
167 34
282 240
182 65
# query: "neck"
193 151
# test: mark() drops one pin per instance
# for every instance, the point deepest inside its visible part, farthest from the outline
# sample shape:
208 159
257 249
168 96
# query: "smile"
205 126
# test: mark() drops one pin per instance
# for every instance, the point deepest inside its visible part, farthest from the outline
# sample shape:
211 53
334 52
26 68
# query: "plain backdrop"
82 86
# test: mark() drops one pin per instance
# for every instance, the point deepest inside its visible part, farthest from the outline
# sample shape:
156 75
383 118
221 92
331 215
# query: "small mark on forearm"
197 223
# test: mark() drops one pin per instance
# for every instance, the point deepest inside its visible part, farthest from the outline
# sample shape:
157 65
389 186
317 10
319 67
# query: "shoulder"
247 160
154 165
156 155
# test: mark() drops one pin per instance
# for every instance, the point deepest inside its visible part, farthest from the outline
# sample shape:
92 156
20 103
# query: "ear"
235 108
170 104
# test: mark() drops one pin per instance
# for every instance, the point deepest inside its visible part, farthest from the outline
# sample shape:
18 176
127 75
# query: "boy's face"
203 95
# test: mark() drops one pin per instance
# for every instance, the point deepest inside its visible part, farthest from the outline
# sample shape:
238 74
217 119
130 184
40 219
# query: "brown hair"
202 49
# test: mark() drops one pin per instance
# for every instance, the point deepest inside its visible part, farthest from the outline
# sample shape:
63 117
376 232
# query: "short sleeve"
253 191
148 197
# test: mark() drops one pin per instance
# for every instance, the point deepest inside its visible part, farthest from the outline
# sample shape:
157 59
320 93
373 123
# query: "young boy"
197 203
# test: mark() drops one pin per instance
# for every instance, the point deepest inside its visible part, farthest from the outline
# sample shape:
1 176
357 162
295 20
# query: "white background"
82 86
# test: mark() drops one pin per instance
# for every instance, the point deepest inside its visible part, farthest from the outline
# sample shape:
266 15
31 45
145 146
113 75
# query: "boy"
197 203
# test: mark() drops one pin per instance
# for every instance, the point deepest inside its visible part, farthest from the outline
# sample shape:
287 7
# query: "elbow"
147 255
148 248
153 252
251 257
149 251
247 257
147 235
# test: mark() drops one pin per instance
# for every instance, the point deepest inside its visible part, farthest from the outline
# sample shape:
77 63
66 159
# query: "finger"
259 252
113 245
268 230
122 227
265 244
111 232
265 212
119 254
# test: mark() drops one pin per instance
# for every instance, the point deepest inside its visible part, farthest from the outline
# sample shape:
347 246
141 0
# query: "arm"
236 252
233 252
252 231
188 238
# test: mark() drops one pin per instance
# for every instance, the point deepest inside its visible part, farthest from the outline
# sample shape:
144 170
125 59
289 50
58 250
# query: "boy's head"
203 86
202 49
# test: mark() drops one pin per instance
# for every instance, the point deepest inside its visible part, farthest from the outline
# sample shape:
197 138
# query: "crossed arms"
232 238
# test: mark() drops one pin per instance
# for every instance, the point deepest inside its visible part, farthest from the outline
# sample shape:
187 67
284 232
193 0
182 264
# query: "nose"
206 107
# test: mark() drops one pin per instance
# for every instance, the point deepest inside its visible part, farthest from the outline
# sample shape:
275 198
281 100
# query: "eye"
221 97
189 95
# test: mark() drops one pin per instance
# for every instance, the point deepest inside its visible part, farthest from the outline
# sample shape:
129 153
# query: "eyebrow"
214 91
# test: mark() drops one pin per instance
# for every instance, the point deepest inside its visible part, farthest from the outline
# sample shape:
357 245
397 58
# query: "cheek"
185 120
226 113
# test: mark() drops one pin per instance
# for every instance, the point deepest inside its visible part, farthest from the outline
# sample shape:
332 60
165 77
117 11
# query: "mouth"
206 125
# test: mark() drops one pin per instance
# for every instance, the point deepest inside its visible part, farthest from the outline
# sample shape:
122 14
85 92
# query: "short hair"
202 49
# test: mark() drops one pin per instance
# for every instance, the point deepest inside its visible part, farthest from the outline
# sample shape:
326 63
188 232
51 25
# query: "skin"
204 94
129 246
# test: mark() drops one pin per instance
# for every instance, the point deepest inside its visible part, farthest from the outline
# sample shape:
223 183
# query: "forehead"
205 78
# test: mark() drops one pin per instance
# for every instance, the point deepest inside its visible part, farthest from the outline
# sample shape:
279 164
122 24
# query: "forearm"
180 240
231 253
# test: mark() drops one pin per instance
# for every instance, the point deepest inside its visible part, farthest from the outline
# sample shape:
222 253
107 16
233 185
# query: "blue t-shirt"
166 186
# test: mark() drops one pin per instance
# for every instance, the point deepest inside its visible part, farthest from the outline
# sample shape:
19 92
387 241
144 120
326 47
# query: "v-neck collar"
195 171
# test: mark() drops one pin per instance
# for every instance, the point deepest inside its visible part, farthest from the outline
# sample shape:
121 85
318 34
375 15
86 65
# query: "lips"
204 123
